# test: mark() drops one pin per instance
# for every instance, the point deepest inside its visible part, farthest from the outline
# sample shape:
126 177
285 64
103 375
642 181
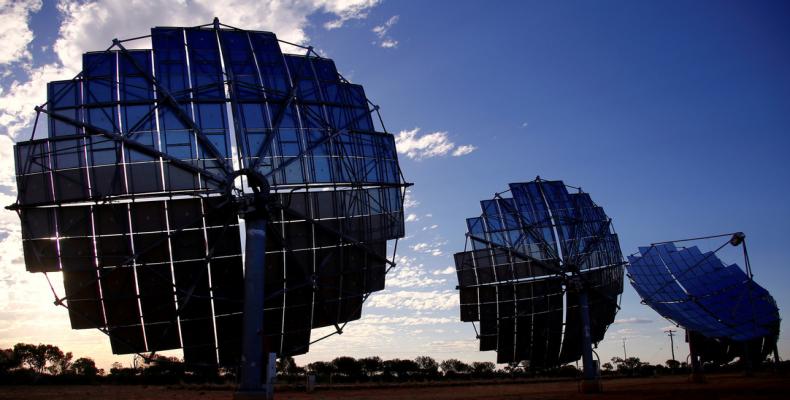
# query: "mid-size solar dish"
696 290
161 169
543 274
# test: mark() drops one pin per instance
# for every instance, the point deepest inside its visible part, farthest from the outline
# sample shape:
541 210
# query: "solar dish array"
699 292
525 251
127 194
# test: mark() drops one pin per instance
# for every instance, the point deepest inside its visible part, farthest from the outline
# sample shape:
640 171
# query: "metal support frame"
567 270
591 382
258 358
697 373
254 374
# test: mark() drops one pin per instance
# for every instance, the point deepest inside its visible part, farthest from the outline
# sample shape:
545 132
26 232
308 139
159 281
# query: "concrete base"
252 395
697 377
591 386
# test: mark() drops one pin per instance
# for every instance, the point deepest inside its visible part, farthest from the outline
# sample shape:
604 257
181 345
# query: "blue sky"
674 116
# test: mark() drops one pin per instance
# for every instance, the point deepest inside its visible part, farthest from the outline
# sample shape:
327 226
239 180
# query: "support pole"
256 360
697 375
671 335
254 383
591 382
776 352
748 366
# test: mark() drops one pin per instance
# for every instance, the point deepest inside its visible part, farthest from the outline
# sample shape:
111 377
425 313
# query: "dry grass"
725 386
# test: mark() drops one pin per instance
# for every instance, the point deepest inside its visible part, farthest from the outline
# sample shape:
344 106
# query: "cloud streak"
436 144
381 31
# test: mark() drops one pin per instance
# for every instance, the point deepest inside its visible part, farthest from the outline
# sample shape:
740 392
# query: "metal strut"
257 360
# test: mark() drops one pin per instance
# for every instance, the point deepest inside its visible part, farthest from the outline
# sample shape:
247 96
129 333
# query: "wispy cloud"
447 271
463 150
410 274
346 10
388 43
415 300
434 249
90 26
633 320
409 201
435 144
381 32
15 33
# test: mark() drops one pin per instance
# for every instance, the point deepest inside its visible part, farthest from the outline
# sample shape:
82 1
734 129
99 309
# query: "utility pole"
671 335
625 355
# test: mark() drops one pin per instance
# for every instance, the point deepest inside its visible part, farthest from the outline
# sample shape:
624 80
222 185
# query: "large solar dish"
538 258
155 162
698 291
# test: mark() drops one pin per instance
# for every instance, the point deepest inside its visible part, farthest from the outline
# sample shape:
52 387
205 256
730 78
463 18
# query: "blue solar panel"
523 249
699 292
139 152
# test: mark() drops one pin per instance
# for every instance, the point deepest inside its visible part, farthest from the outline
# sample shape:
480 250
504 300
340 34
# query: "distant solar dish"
160 166
697 291
543 275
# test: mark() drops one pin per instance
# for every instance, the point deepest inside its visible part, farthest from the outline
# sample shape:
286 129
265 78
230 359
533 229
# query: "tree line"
45 363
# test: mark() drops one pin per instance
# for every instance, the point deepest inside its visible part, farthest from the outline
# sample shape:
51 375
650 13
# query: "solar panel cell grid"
150 247
517 254
697 291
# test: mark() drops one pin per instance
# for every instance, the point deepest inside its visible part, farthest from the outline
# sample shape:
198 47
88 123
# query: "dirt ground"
732 386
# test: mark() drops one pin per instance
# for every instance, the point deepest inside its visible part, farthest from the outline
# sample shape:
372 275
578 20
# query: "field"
724 386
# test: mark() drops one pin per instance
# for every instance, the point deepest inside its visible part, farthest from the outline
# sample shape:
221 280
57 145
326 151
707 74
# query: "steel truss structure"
156 160
543 275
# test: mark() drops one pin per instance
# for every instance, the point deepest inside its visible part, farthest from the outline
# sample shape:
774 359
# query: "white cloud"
463 150
408 201
429 145
524 124
431 227
447 271
377 319
15 33
91 26
347 10
633 320
434 249
412 218
382 30
414 300
389 43
409 274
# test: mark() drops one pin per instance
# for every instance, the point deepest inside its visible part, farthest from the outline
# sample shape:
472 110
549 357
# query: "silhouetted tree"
8 360
672 364
37 357
628 365
61 363
513 368
348 367
403 369
321 368
454 366
608 367
86 367
371 365
483 368
428 366
159 368
287 366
